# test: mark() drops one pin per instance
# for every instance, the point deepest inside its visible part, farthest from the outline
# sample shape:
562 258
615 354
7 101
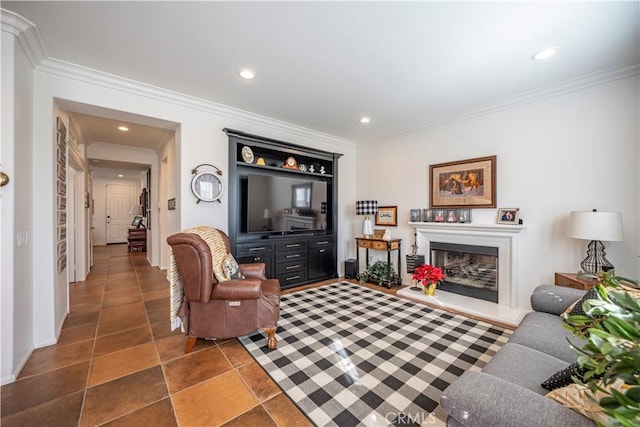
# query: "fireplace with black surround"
470 270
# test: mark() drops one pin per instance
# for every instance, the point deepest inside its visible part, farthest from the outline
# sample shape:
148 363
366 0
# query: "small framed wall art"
387 215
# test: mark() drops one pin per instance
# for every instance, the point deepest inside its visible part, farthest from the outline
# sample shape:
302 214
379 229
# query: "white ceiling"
323 65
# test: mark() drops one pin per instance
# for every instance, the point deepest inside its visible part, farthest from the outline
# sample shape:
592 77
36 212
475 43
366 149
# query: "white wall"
16 199
200 139
576 151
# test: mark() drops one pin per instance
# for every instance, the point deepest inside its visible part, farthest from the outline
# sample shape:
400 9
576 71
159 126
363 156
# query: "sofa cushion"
576 309
554 299
544 332
562 378
523 366
230 268
581 399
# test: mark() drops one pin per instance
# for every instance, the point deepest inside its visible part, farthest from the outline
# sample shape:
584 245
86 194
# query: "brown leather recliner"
227 309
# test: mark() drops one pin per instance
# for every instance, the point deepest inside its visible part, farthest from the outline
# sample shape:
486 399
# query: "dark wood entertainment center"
297 242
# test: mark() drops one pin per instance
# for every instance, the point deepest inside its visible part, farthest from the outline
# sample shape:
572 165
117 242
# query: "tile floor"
118 364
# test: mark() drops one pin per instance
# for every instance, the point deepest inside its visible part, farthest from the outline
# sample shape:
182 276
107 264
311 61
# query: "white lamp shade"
595 225
135 210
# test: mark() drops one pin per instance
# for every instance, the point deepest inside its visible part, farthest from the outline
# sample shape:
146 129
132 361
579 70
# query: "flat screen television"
283 205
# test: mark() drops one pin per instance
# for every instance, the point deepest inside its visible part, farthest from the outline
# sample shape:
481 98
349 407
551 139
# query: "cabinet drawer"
291 245
373 244
253 248
328 241
291 256
291 278
291 267
137 234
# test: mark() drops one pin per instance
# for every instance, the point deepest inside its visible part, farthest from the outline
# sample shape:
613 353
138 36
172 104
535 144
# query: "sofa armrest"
241 289
479 399
554 299
254 270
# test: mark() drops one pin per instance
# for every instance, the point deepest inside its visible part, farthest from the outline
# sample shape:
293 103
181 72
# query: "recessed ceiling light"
123 128
120 175
545 54
246 74
365 120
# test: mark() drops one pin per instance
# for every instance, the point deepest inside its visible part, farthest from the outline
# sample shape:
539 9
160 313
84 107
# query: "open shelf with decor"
282 207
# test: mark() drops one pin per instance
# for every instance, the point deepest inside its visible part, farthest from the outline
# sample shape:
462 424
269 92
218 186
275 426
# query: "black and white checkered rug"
348 355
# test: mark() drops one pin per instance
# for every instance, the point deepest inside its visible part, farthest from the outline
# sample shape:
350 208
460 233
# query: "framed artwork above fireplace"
463 184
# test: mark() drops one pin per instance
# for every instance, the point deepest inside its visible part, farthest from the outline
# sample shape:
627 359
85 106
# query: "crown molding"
86 75
27 34
572 85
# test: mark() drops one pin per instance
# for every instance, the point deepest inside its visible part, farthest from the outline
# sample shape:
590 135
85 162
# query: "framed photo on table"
463 184
387 215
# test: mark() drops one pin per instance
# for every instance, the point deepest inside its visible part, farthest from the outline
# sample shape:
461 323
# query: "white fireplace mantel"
502 236
468 227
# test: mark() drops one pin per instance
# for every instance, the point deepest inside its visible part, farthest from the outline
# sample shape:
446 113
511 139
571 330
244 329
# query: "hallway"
118 363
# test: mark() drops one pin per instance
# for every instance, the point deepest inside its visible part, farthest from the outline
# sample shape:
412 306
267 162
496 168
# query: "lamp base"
367 227
595 261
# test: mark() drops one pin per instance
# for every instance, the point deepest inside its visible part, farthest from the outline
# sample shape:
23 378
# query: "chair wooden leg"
191 341
272 342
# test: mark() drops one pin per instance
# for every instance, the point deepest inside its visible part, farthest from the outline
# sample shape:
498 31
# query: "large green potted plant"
611 328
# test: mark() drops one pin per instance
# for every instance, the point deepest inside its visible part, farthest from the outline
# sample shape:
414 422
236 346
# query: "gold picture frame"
467 183
387 215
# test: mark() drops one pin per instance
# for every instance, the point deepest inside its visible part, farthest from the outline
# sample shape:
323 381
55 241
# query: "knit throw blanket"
214 240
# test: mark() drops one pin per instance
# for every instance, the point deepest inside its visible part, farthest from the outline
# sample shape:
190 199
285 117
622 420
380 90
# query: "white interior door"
120 198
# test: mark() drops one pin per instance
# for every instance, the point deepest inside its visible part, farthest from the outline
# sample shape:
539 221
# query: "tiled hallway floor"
118 364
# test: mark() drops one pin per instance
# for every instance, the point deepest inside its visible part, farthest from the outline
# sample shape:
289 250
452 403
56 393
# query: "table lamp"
367 207
595 226
136 210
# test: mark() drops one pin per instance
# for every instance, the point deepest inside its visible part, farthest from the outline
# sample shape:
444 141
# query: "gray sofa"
507 392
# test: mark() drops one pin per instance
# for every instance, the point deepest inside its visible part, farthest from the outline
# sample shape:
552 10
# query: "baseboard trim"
11 378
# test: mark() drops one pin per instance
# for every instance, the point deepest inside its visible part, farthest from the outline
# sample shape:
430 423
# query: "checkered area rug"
348 355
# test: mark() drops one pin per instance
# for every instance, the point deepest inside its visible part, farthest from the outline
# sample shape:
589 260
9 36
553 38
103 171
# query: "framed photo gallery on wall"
441 215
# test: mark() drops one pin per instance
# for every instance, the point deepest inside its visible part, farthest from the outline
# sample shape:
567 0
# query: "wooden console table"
137 239
571 280
380 245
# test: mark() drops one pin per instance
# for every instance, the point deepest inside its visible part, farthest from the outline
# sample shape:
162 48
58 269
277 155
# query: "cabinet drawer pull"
322 251
293 245
324 242
293 256
292 267
292 278
261 248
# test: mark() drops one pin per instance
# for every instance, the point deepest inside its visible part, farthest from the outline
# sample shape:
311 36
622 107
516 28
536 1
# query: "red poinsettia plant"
428 274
